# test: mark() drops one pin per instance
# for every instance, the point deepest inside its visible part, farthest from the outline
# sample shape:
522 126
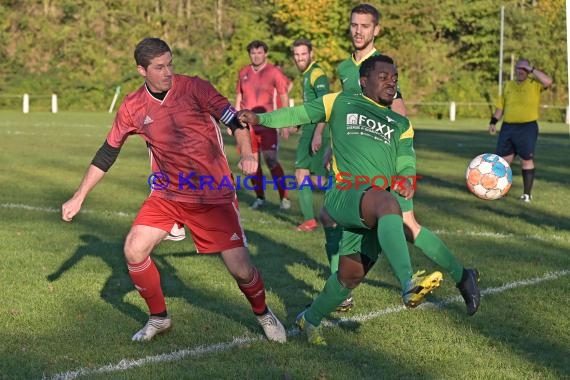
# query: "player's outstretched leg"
380 208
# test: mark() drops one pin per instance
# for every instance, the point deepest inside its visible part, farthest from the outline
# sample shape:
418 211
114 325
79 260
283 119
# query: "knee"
133 251
350 280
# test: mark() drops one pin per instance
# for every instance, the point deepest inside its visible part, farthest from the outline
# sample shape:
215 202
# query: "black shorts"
518 139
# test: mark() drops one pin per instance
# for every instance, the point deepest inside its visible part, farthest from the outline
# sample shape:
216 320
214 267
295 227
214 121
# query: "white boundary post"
53 103
26 103
117 91
452 109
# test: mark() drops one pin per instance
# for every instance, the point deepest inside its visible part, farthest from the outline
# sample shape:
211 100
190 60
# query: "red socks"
146 279
254 291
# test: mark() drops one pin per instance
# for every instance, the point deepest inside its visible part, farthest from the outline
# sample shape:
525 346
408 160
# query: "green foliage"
82 49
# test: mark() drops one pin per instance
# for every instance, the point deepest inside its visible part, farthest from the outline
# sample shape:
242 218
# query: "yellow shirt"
520 101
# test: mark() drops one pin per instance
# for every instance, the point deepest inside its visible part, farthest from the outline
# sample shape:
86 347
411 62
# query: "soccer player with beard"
176 115
310 151
369 141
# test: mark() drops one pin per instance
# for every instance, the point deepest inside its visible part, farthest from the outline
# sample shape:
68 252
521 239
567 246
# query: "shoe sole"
428 285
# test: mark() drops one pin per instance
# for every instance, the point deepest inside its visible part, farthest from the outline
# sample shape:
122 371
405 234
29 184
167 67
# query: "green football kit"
349 73
315 85
372 147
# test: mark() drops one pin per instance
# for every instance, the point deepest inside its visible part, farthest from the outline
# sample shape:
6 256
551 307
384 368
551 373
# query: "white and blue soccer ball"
489 176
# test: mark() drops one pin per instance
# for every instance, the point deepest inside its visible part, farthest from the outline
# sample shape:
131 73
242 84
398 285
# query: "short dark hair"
367 9
148 49
368 65
256 44
303 42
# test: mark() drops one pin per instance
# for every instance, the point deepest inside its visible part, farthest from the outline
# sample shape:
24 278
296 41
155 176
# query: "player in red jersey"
255 90
177 117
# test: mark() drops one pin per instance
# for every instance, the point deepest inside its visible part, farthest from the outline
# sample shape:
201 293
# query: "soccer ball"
489 176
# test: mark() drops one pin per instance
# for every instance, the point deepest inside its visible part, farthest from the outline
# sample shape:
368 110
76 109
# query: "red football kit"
258 90
186 147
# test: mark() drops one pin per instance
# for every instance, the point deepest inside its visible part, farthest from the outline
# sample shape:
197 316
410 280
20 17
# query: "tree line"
445 50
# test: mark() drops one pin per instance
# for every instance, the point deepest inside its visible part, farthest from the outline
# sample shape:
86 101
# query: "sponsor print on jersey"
357 124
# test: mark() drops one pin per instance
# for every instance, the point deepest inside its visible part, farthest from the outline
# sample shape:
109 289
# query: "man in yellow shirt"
518 105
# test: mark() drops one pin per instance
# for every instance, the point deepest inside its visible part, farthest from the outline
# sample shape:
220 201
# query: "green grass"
68 303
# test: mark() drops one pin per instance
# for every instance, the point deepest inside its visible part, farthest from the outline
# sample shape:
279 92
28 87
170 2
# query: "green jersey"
348 72
368 139
315 85
315 82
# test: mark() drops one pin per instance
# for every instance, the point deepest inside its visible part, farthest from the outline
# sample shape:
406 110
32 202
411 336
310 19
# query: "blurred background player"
518 106
309 156
186 141
364 27
255 89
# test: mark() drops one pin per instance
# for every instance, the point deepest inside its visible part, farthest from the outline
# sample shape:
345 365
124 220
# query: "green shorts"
305 158
360 240
344 206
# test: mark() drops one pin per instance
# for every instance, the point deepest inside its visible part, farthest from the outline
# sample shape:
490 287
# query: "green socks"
436 250
306 202
333 236
326 302
393 242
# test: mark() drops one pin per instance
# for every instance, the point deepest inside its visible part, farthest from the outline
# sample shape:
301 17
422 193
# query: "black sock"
528 179
164 314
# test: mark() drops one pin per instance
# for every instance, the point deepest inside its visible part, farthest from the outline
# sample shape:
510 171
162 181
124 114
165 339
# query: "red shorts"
264 138
214 227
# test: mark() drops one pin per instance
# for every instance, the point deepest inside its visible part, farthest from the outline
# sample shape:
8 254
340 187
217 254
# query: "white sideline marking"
496 235
198 351
58 210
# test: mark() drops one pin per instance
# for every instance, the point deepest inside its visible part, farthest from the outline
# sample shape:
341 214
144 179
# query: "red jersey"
183 137
258 87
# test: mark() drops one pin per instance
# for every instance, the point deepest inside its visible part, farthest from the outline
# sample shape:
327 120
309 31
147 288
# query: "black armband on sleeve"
105 156
229 118
235 124
493 121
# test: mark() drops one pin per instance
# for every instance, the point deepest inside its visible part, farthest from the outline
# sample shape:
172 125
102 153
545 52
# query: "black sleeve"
105 156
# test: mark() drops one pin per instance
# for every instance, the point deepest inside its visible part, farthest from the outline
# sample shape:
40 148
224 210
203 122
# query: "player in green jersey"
364 27
370 142
309 157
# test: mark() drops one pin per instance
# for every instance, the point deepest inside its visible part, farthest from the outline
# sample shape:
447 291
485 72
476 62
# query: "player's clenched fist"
248 164
70 208
247 117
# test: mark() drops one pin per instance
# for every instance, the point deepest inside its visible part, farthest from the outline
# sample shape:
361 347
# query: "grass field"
68 308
